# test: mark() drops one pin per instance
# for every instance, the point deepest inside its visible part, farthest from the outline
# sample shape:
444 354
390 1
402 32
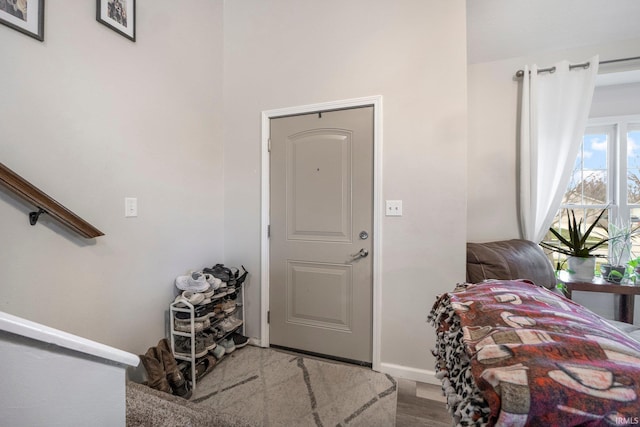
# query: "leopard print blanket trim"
453 368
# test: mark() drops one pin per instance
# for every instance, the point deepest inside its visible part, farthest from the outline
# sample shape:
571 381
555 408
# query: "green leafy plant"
633 269
576 243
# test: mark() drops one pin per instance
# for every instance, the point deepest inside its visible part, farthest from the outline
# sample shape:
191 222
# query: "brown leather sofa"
508 260
519 259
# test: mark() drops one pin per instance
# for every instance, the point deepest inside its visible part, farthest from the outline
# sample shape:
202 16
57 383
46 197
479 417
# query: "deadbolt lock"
364 235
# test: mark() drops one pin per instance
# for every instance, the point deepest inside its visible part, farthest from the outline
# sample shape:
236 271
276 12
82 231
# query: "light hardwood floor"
421 404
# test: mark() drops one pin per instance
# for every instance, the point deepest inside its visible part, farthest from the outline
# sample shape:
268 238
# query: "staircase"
53 378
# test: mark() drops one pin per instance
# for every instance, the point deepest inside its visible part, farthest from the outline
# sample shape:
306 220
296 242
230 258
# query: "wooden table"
627 294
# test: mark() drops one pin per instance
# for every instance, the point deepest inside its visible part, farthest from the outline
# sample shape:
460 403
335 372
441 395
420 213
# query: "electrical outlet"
394 208
130 207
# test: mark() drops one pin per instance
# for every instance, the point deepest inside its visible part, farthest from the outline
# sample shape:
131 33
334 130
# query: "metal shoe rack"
192 335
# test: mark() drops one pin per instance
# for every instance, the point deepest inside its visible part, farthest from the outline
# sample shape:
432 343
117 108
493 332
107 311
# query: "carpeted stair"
152 408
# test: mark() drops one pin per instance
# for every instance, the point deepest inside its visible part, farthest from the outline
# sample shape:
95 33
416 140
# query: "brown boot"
155 371
173 373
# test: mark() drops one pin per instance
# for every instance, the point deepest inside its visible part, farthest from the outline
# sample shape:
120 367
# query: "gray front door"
321 217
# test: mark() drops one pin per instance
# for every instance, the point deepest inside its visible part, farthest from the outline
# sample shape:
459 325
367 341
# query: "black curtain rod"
520 73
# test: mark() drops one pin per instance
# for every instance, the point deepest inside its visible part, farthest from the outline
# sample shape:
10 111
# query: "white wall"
90 117
412 52
493 106
616 100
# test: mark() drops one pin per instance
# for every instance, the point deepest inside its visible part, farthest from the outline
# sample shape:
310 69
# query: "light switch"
394 208
130 207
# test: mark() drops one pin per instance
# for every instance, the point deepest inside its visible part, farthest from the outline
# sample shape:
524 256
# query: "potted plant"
634 269
578 246
620 240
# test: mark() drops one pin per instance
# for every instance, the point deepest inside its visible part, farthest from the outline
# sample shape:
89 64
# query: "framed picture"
26 16
119 15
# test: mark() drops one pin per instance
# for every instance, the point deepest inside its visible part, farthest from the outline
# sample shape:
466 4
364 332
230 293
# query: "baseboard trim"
420 375
256 342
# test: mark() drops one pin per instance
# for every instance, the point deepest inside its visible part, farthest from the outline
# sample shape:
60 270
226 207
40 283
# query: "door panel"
321 199
319 194
320 295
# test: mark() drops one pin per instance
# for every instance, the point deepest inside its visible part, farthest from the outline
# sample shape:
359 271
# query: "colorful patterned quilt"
510 353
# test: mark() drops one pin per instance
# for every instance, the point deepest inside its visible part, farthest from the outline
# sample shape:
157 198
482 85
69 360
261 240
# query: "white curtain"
555 108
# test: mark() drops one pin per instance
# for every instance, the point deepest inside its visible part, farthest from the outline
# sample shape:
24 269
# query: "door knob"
362 253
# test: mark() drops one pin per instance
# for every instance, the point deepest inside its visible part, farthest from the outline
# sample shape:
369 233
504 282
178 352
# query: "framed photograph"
26 16
119 15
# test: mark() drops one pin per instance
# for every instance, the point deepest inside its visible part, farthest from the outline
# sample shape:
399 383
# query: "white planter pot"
581 268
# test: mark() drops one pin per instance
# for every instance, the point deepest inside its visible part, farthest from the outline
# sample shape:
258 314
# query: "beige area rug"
273 388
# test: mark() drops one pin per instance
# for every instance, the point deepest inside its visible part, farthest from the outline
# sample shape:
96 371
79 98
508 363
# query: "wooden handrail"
45 204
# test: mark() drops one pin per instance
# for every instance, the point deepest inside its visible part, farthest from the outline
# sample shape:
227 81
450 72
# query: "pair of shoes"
203 367
227 306
195 282
230 323
228 345
201 312
185 325
183 347
162 370
209 340
185 317
219 271
239 340
217 332
175 377
194 298
156 377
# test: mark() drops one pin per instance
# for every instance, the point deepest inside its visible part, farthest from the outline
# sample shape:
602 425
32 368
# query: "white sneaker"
194 298
230 323
194 282
185 326
214 282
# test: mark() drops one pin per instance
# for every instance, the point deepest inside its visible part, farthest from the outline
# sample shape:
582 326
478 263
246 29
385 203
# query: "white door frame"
376 102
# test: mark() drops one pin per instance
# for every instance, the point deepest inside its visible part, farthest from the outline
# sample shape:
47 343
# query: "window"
606 174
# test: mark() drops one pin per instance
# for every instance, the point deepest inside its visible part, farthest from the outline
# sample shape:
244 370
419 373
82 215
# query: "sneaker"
235 322
226 326
201 313
203 367
185 326
183 347
223 288
219 294
228 307
219 271
229 346
230 323
194 298
217 332
194 282
218 352
209 340
239 340
213 282
208 293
